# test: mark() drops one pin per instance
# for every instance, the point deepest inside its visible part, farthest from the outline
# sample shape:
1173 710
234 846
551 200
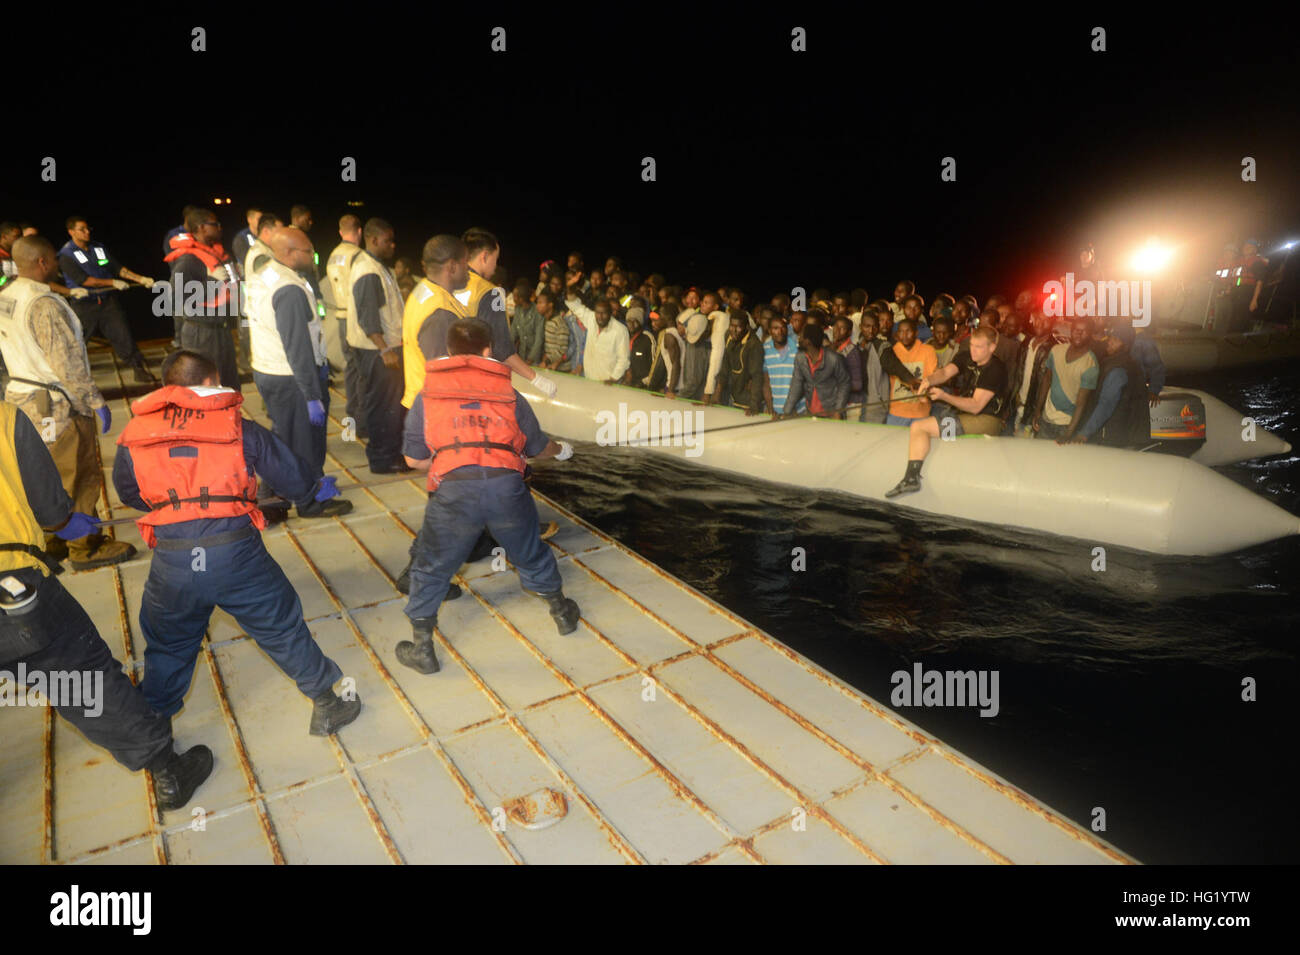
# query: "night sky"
774 168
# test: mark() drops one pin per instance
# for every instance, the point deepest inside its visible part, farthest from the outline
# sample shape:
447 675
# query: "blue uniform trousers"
242 579
467 501
287 409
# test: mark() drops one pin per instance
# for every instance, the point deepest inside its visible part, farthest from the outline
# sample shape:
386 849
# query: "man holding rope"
190 460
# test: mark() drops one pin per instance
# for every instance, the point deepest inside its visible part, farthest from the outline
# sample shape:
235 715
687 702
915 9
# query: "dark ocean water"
1119 690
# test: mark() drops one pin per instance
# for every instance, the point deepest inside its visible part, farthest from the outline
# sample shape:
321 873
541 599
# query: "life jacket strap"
174 501
458 445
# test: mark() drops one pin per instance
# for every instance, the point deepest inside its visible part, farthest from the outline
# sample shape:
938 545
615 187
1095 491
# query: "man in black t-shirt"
983 385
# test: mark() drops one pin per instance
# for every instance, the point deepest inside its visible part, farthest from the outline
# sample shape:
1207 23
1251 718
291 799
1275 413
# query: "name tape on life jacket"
101 254
80 256
462 296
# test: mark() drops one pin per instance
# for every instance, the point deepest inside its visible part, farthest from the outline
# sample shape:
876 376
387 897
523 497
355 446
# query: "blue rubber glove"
316 413
79 525
105 421
326 489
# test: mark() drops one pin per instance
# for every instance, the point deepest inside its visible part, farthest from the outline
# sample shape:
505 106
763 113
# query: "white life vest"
390 313
338 269
256 249
266 346
23 358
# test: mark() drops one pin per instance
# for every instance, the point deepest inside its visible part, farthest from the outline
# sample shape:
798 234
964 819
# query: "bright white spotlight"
1152 257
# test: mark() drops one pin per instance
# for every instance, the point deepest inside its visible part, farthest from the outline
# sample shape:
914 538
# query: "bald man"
289 366
51 382
338 271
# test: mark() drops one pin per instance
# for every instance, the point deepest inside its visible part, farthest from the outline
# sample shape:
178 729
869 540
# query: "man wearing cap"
88 265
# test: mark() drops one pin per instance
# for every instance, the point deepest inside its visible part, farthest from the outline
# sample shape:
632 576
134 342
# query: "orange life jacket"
213 258
188 453
469 416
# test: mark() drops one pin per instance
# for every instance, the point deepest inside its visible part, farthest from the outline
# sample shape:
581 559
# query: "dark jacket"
1128 425
831 381
742 372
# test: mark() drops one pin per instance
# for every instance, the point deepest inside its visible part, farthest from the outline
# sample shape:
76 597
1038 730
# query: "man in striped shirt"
779 352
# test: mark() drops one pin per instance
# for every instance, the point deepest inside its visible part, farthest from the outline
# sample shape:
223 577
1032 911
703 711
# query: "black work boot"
418 654
330 713
564 611
182 773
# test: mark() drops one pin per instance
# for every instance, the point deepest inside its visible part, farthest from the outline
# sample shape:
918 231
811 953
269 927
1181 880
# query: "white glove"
566 451
78 292
121 284
545 386
147 282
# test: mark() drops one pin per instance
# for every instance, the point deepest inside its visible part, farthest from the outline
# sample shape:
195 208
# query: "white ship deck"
742 733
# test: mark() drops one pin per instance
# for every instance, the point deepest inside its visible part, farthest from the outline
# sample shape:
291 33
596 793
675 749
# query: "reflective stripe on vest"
188 453
94 264
469 416
217 263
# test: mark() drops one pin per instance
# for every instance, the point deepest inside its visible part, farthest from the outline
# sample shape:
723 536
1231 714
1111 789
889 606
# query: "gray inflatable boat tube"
1158 503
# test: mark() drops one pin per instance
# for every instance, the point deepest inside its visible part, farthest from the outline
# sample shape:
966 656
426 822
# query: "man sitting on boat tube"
982 383
474 434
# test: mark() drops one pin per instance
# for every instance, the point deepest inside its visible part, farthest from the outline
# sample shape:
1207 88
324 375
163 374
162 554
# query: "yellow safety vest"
17 522
427 298
473 293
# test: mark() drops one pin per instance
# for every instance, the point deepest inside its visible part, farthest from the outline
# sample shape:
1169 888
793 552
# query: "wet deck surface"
676 731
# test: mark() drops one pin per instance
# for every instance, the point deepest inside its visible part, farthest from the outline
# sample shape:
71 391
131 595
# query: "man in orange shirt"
907 361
